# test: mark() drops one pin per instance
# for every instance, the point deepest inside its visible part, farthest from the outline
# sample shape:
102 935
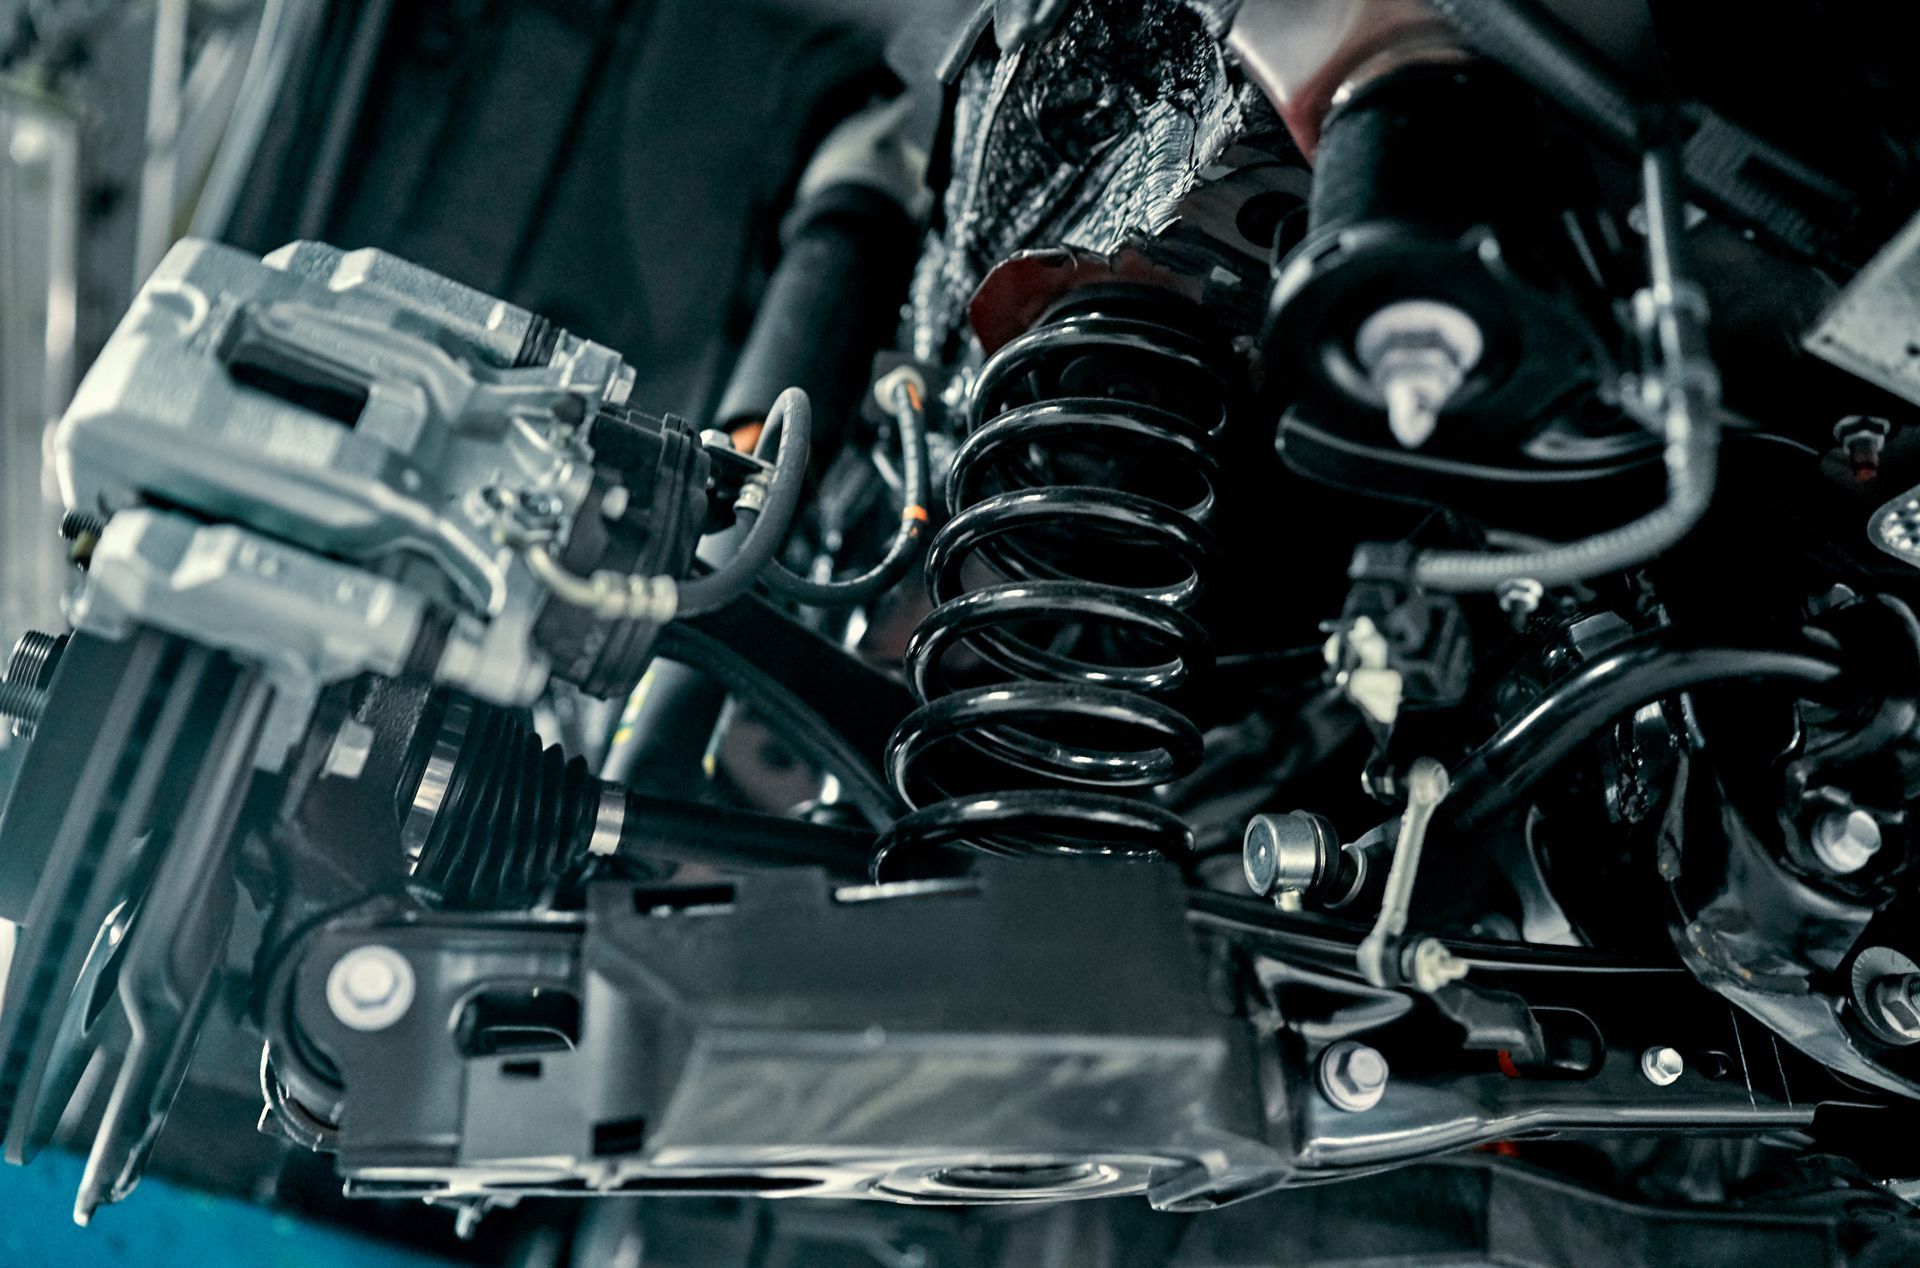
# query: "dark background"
618 166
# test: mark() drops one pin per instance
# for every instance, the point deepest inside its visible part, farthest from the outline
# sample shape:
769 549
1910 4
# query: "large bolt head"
1845 841
1896 1001
370 988
1353 1076
1662 1066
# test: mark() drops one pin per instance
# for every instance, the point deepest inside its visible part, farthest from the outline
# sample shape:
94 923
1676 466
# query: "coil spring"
1078 544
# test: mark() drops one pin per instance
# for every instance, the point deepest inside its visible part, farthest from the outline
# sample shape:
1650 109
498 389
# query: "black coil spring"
1061 589
510 819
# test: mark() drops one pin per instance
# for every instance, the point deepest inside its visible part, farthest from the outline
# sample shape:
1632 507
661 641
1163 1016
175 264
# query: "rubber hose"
901 550
792 421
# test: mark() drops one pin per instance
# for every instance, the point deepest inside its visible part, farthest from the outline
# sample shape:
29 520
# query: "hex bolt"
1895 1000
370 988
1418 353
1662 1066
1845 840
1353 1076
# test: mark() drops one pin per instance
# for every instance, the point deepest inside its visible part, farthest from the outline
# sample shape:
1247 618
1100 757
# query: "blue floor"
162 1225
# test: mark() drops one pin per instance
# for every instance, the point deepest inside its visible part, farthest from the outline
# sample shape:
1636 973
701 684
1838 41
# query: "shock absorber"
1063 588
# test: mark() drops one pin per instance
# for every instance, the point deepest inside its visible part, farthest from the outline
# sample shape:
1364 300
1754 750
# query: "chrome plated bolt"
1417 353
370 988
1845 841
1353 1076
1662 1066
1896 1001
